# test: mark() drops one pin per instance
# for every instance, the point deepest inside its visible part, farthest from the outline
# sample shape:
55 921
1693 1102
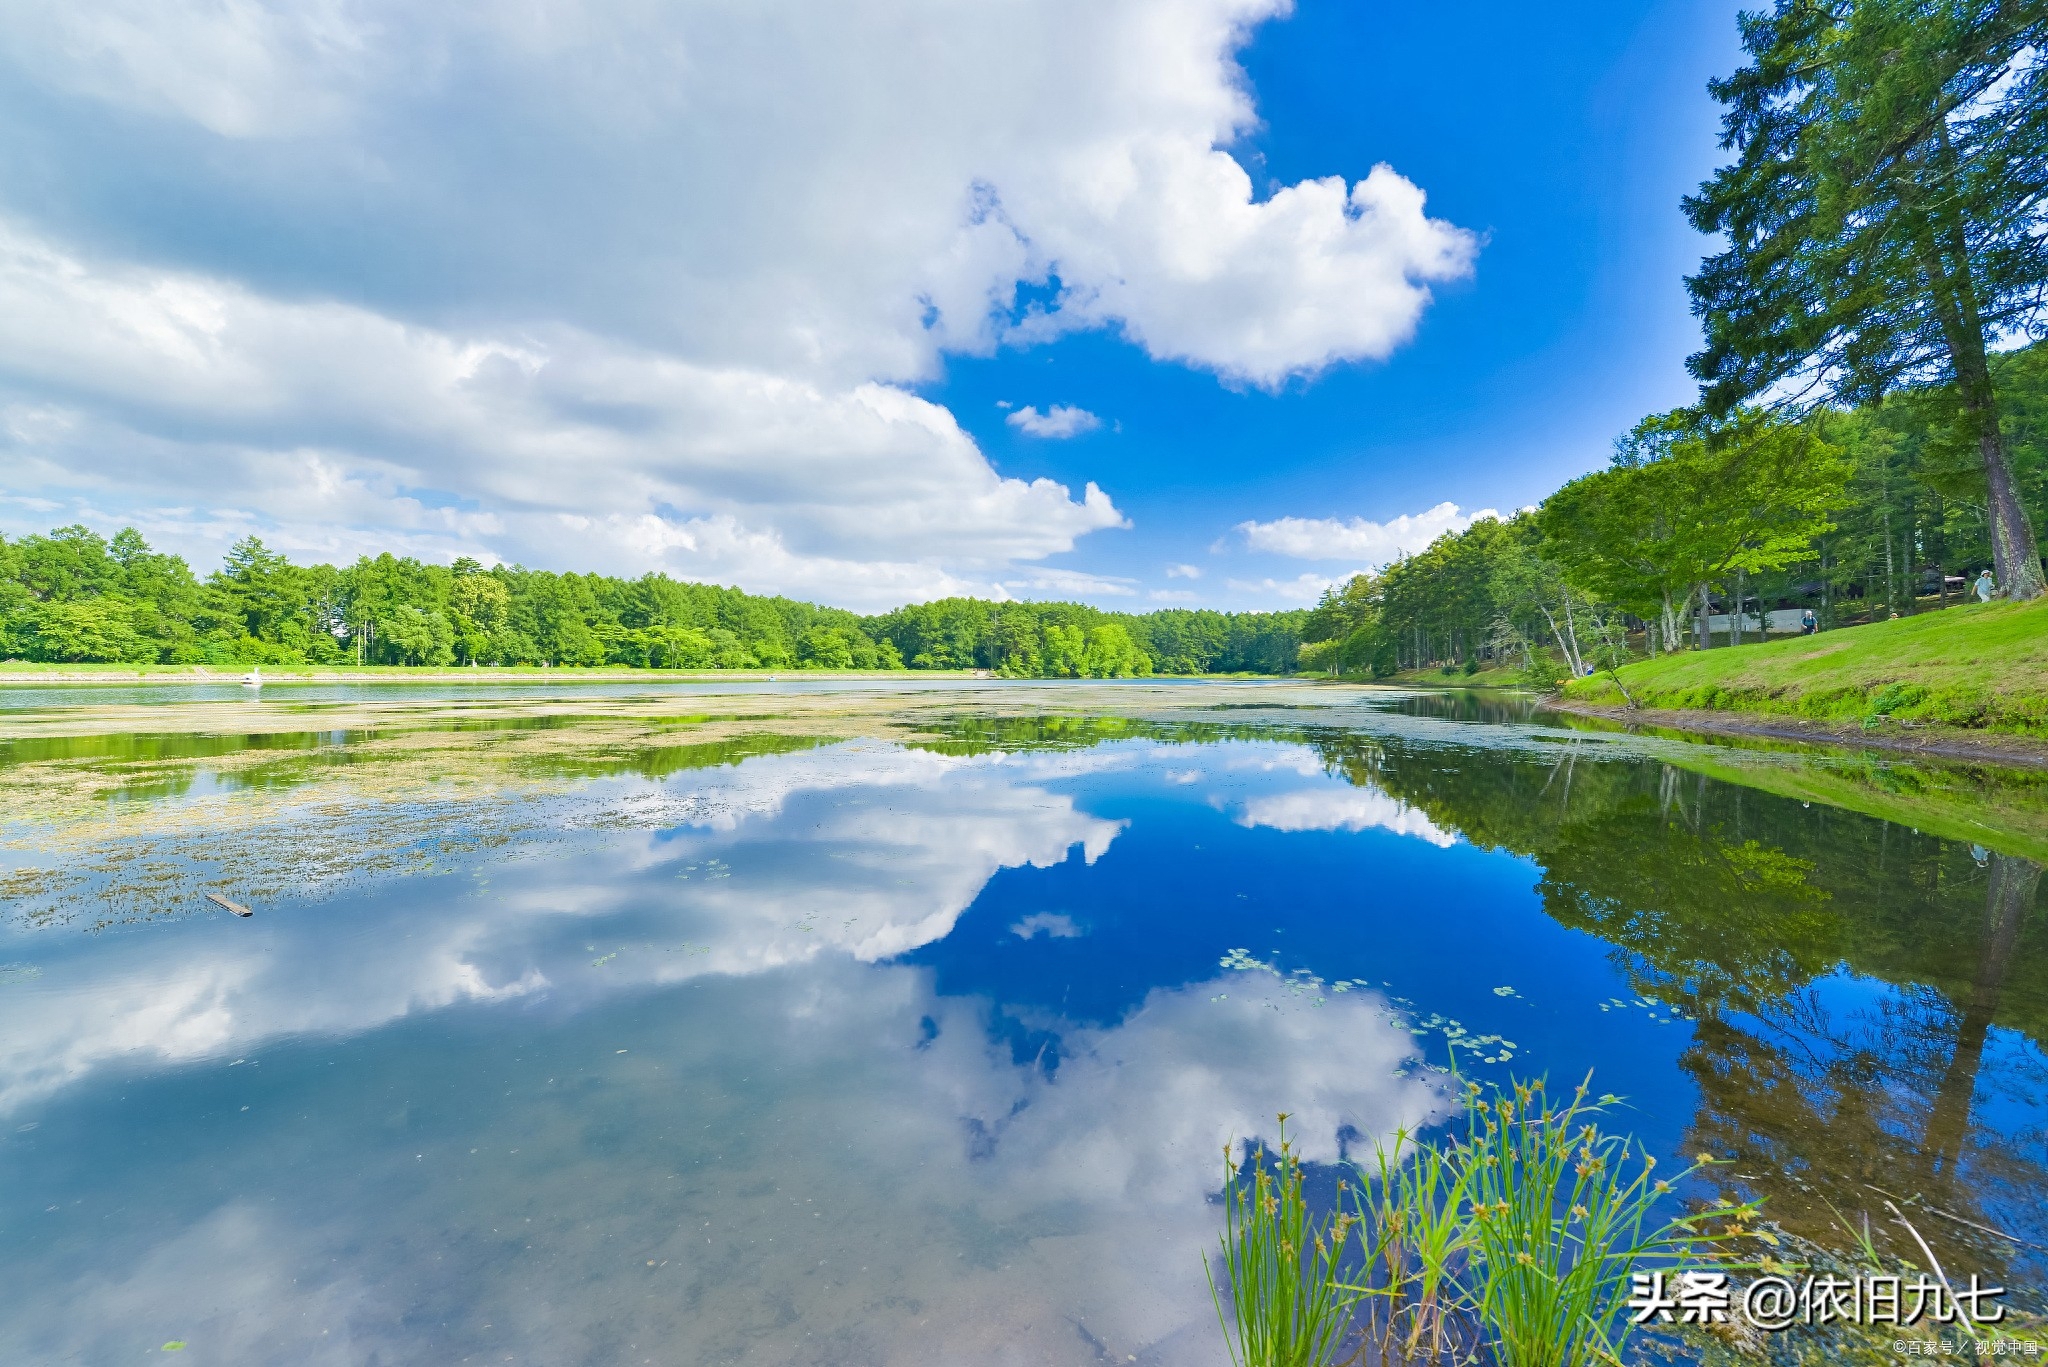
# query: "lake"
794 1025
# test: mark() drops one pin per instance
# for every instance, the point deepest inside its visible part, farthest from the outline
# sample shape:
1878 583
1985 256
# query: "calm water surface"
15 697
863 1052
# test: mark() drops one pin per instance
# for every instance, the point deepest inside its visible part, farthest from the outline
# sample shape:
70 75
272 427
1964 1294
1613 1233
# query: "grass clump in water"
1517 1240
1290 1306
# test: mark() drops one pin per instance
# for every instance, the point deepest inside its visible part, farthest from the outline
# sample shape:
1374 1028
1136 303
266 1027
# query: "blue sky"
742 293
1566 140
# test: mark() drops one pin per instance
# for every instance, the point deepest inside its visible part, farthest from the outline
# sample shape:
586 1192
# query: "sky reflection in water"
866 1053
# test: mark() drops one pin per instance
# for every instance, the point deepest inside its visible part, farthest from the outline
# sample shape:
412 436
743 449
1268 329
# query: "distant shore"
15 673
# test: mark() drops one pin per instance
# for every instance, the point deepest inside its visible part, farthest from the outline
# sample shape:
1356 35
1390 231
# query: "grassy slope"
1982 667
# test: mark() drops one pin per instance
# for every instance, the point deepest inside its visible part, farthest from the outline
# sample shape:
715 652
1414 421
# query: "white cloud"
866 494
1057 422
1183 572
1173 596
1195 270
1050 580
1303 588
1375 543
469 278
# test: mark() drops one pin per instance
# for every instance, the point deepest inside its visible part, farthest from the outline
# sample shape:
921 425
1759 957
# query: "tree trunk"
1891 572
2014 551
1700 632
1941 549
1827 597
1564 642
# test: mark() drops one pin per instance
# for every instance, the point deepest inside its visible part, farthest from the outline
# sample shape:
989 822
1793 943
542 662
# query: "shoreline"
200 675
1899 738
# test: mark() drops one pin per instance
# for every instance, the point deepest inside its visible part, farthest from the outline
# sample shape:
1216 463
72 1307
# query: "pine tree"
1884 216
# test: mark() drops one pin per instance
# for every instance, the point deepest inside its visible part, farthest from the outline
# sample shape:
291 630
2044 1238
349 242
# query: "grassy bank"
1983 667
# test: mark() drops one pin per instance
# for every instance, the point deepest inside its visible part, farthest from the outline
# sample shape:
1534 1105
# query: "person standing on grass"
1985 588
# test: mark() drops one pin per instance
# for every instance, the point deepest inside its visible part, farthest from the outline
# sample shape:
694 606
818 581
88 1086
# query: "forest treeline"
1855 514
73 595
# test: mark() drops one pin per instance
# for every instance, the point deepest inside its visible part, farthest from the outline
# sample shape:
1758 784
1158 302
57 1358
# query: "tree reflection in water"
1869 1002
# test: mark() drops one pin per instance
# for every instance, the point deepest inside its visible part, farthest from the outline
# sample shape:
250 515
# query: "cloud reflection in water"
654 1094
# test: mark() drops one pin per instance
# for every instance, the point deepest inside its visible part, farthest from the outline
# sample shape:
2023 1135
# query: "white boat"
254 678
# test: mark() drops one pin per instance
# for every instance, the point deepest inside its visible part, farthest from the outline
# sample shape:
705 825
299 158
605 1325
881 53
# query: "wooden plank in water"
235 907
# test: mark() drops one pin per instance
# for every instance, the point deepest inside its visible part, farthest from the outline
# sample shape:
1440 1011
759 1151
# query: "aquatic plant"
1414 1238
1560 1217
1289 1307
1518 1238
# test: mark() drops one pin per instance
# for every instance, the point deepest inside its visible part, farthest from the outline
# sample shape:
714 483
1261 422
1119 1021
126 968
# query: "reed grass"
1514 1240
1414 1237
1290 1305
1562 1216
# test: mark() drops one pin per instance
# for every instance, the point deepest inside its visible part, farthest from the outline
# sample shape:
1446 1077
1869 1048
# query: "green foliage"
84 629
1071 640
1748 495
1853 513
1884 218
1521 1235
1289 1306
1518 1237
1980 667
1413 1234
73 596
1559 1216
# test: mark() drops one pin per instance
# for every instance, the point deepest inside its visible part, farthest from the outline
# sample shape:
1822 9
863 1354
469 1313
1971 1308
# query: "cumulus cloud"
465 278
1303 588
790 483
1057 422
1183 572
1374 543
1195 270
